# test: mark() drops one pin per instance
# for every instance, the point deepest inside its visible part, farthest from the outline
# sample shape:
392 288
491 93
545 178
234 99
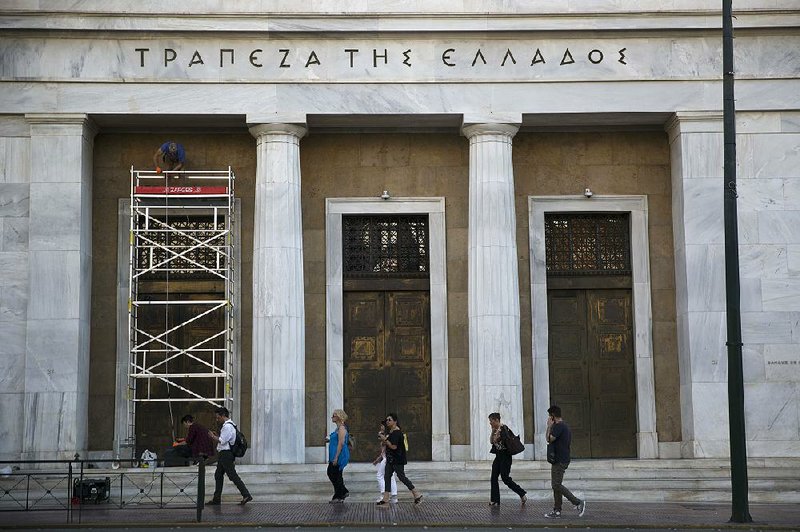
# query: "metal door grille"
587 243
182 247
380 247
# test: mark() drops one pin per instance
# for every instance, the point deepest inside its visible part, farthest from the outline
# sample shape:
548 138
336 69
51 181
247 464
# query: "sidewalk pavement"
428 513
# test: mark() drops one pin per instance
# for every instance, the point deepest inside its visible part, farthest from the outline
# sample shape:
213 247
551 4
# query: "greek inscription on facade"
449 57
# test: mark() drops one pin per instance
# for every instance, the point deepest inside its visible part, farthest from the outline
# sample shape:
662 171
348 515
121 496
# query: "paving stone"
429 513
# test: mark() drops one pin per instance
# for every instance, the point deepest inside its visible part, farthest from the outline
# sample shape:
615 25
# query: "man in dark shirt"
197 439
558 438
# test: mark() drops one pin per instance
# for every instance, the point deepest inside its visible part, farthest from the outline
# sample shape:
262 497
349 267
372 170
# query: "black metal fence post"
70 492
80 497
201 488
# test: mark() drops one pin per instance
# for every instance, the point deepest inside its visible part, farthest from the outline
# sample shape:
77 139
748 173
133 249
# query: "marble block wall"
769 185
14 220
768 155
696 147
56 372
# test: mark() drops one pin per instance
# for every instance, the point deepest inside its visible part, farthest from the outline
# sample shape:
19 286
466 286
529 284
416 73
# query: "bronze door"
387 368
592 374
154 418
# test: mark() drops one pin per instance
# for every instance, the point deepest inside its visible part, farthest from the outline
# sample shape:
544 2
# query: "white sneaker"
554 514
581 508
393 500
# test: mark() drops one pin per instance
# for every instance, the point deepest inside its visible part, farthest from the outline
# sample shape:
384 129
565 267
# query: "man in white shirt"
226 462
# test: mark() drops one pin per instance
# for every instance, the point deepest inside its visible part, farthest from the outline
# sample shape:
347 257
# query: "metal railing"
72 487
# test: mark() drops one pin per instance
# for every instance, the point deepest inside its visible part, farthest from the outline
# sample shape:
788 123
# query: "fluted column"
278 395
495 369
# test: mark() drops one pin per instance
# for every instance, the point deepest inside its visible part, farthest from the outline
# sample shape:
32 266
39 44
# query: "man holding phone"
558 438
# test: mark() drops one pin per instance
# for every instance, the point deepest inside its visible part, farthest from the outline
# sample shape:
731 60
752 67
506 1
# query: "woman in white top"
380 465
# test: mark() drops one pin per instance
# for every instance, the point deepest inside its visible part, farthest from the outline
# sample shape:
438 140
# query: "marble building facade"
484 116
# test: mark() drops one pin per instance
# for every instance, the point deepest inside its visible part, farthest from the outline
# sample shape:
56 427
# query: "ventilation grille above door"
379 247
587 243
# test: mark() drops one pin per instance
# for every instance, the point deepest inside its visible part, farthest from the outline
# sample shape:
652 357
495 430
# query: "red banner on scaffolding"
178 190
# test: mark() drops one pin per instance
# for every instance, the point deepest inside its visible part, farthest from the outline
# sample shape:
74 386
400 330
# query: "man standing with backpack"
226 462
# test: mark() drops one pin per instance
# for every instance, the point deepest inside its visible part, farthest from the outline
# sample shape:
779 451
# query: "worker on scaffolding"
171 155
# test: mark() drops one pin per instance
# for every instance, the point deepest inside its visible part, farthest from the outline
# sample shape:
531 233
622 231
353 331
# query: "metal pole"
201 487
70 492
740 509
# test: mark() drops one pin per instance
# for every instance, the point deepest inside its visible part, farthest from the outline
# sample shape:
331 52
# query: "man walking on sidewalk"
226 461
558 438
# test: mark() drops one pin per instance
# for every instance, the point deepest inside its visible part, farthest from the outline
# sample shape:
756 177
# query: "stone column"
14 218
278 395
696 146
60 281
495 369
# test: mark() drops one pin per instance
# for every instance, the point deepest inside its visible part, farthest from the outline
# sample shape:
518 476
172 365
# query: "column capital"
474 130
693 122
61 124
278 128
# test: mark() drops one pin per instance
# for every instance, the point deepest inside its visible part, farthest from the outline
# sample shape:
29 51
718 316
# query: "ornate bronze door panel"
612 382
387 367
592 369
569 361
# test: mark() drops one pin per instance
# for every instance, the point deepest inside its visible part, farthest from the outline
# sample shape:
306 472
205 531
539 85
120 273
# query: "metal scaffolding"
181 251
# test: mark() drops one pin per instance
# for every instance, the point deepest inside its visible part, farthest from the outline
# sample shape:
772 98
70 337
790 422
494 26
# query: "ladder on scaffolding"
181 231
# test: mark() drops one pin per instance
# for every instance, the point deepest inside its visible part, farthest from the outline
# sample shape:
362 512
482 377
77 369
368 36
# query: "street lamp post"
739 499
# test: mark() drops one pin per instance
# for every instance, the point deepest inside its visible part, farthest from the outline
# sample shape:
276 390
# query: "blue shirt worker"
169 156
226 461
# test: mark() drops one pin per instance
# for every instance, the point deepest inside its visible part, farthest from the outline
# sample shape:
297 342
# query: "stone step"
606 480
527 474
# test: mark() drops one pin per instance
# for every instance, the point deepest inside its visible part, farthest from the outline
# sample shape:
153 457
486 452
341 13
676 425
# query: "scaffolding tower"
181 234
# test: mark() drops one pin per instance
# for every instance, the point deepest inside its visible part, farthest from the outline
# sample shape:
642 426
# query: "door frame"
334 300
646 435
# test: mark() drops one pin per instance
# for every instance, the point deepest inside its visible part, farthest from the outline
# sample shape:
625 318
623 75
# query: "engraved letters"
253 58
473 58
141 55
169 56
445 57
313 59
285 52
222 53
197 59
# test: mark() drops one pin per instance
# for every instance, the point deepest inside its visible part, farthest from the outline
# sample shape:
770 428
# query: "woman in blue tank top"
338 455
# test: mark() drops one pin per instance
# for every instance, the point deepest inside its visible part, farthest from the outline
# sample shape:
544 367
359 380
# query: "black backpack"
239 445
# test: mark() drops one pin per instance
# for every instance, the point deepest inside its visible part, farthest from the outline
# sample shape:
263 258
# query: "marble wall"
14 223
768 155
59 272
